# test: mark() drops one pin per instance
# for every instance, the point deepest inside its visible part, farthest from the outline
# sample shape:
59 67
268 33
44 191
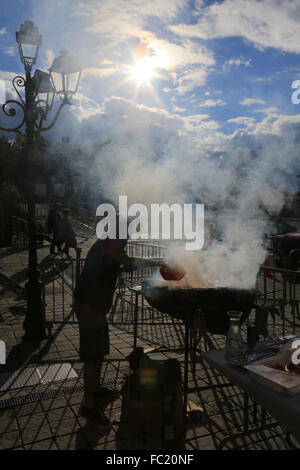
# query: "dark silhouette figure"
66 233
53 220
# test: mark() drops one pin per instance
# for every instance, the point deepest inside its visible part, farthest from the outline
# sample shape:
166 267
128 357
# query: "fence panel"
278 291
19 232
60 283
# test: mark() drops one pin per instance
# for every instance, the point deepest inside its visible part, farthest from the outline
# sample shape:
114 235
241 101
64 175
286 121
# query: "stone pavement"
45 415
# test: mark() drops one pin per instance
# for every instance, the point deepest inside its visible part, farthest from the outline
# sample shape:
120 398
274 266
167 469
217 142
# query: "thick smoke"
152 156
241 179
151 163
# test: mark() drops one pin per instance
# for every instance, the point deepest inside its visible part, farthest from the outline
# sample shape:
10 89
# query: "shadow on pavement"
87 438
19 355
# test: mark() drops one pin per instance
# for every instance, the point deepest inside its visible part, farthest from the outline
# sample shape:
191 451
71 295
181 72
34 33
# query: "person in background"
66 233
53 220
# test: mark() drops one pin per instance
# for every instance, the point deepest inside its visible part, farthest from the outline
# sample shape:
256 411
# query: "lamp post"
36 94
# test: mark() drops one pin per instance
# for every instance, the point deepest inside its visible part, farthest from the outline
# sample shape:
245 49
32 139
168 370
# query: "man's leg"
89 410
91 377
58 244
92 358
66 248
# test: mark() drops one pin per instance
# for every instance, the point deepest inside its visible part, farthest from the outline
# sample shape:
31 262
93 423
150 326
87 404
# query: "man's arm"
130 264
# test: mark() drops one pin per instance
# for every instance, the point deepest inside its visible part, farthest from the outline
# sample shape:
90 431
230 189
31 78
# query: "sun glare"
143 70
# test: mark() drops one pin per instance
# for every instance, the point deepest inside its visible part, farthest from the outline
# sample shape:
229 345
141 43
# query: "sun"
143 70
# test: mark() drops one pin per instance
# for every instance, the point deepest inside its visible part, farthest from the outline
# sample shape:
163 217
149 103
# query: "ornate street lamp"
29 41
39 90
65 75
44 92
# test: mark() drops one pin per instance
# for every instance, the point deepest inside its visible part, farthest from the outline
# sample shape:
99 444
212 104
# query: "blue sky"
220 61
191 100
177 78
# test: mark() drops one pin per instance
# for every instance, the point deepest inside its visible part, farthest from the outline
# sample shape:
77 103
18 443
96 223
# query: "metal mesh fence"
278 291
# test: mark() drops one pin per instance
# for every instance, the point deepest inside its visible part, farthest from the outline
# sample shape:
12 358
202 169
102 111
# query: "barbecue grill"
188 303
214 302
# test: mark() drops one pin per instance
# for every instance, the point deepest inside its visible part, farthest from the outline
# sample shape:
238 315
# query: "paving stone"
8 422
47 444
33 420
28 409
36 433
53 403
111 445
76 441
75 399
64 426
59 414
200 443
95 437
9 440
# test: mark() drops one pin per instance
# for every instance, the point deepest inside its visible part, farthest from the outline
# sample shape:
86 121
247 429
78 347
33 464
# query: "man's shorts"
93 336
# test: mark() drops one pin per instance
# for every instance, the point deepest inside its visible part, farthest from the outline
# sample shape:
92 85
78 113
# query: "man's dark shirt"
95 287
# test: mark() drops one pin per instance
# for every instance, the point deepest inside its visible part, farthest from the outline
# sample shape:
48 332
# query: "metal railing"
141 249
278 292
59 281
19 232
20 225
79 214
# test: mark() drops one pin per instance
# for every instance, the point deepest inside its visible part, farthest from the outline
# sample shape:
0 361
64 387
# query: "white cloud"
108 36
196 119
236 63
5 75
212 103
119 18
120 118
10 91
84 108
265 23
8 50
190 78
3 31
282 125
178 55
49 58
100 72
251 101
261 79
186 62
266 110
178 109
245 120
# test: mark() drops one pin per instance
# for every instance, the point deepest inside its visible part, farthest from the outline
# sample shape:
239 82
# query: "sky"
191 100
213 68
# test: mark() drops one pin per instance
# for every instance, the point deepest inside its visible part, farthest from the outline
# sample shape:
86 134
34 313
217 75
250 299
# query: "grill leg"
186 367
135 319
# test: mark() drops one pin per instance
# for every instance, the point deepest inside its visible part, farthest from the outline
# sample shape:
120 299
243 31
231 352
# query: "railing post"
14 237
78 255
